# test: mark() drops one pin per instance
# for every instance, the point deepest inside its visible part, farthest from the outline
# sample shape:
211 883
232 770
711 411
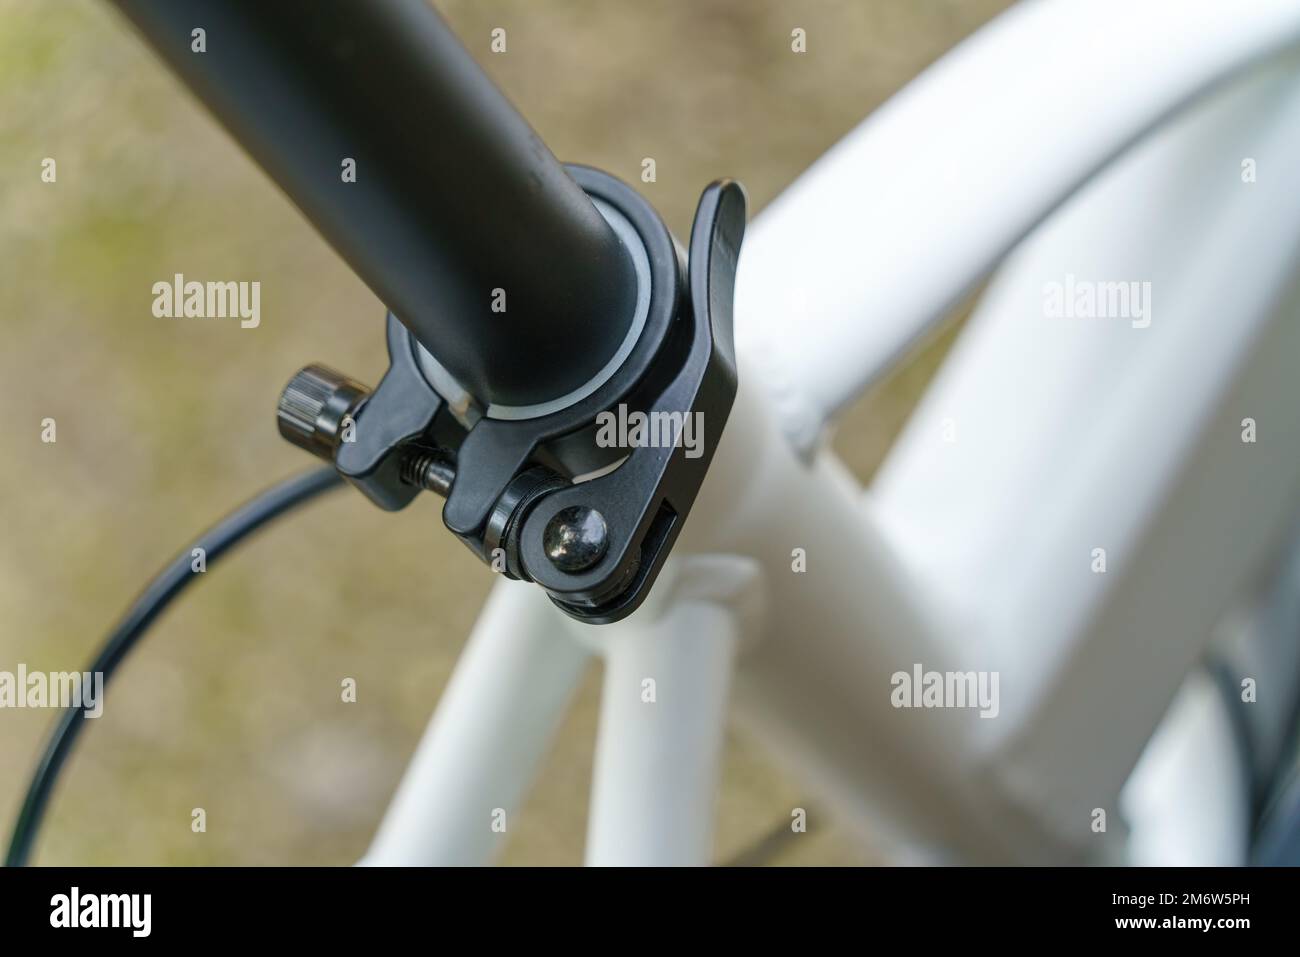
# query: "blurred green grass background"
232 704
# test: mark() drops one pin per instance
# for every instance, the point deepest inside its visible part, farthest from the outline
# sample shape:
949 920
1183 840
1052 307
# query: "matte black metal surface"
645 500
496 450
454 197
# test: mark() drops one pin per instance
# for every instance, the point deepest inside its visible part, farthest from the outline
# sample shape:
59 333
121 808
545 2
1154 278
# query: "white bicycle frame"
1099 138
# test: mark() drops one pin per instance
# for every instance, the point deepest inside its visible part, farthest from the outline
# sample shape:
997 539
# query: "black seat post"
383 130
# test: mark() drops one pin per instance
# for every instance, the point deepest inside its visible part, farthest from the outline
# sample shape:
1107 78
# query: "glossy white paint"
488 734
663 719
850 266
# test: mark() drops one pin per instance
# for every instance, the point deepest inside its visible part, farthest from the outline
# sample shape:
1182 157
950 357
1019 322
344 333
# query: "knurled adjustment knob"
316 406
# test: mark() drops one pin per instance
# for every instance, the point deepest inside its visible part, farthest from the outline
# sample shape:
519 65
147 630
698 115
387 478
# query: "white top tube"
852 264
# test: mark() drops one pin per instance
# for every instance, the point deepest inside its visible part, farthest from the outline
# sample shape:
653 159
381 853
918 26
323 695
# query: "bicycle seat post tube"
387 135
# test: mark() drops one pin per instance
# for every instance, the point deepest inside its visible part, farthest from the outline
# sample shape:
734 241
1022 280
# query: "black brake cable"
170 582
